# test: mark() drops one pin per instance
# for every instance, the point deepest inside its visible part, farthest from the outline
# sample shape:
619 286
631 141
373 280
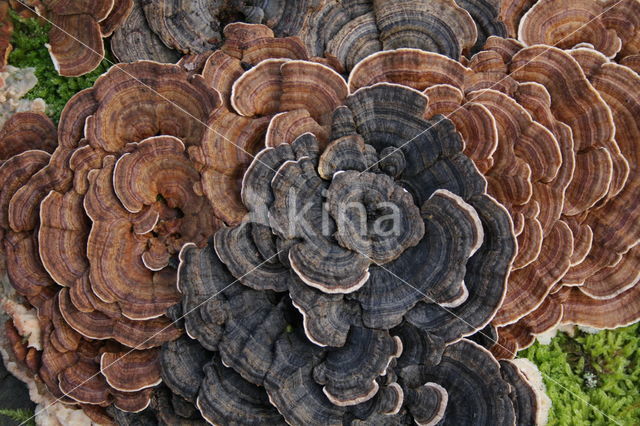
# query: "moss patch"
21 416
600 370
29 37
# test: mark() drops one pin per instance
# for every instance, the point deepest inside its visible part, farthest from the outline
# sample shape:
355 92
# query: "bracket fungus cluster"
565 173
345 294
163 30
315 214
599 289
352 30
342 31
141 165
92 218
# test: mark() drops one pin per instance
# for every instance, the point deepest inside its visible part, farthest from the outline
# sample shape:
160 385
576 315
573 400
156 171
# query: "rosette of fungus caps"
554 170
305 313
147 160
90 231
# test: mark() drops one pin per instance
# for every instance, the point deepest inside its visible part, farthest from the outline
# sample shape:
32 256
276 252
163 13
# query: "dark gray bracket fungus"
195 26
165 408
257 348
182 362
237 248
446 168
316 259
185 25
246 321
522 394
392 161
449 191
302 401
419 348
453 233
464 370
485 279
134 40
357 231
284 17
206 276
226 398
427 403
436 265
342 123
423 25
289 377
326 318
255 195
292 389
427 382
350 30
485 15
345 153
346 372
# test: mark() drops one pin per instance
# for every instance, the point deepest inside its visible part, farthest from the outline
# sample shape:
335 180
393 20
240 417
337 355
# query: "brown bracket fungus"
600 266
600 287
610 27
93 230
549 23
26 131
26 141
75 38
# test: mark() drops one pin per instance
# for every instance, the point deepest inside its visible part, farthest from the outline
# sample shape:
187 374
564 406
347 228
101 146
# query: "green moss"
29 37
24 417
592 376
